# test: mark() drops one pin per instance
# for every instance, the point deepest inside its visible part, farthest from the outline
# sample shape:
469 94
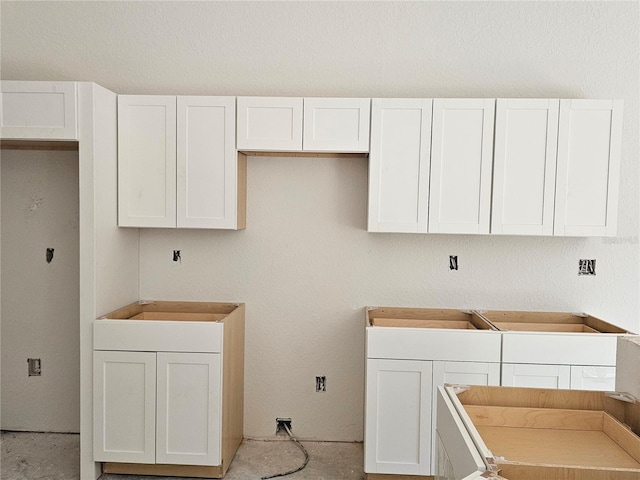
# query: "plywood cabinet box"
168 388
38 111
410 352
536 434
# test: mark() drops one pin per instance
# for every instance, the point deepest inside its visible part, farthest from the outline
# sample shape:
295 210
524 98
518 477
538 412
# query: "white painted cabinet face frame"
38 110
524 169
207 174
398 417
461 163
269 123
336 125
399 163
124 406
587 186
189 409
146 161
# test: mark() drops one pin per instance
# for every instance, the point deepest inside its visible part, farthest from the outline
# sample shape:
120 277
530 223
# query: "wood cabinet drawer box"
536 434
430 334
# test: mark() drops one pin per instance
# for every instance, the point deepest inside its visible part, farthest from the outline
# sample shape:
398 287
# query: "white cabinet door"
399 165
536 376
524 169
38 110
146 161
461 160
189 409
270 123
124 406
398 417
336 124
459 458
593 378
207 176
589 142
462 373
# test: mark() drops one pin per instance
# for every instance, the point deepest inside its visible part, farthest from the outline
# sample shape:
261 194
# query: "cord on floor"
304 450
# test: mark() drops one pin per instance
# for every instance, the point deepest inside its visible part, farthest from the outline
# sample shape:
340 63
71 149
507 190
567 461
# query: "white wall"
40 300
305 266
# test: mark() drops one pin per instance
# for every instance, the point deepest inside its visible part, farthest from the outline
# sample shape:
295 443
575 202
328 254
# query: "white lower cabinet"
401 410
157 407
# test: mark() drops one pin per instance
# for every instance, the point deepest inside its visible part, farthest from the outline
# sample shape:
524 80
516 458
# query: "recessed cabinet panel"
188 404
524 166
270 123
38 110
146 161
399 165
536 376
587 187
336 124
206 162
124 389
398 417
461 161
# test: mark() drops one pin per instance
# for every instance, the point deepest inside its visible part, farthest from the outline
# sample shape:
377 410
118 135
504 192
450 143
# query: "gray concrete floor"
48 456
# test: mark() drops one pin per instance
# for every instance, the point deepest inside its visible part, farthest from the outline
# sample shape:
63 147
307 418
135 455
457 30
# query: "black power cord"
304 450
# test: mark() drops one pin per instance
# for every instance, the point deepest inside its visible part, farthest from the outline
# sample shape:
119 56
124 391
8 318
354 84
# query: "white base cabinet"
410 352
168 388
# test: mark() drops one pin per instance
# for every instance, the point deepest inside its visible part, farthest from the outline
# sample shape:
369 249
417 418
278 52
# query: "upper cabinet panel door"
524 168
38 110
270 124
336 124
589 142
207 174
399 165
461 158
146 161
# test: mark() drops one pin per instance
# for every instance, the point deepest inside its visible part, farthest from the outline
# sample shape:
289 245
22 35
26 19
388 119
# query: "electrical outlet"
453 262
35 367
587 267
280 425
321 384
177 256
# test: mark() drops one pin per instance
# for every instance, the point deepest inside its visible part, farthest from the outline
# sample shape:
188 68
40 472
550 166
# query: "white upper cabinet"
589 142
270 123
146 161
461 160
399 165
283 124
38 110
207 164
336 124
524 168
177 163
